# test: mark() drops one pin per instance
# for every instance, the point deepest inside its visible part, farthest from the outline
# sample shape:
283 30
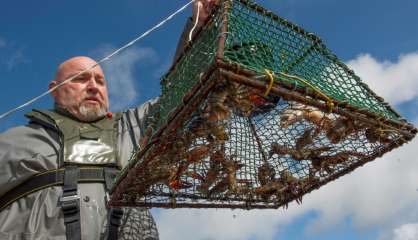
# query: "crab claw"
179 184
195 175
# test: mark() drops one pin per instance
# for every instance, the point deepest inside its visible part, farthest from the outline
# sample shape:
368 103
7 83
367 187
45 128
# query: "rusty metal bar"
224 31
257 139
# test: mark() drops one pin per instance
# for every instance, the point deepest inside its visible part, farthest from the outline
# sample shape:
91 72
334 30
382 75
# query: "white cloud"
395 81
120 73
406 232
382 193
221 224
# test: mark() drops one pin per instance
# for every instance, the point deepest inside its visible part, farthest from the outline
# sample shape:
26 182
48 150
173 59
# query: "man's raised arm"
204 7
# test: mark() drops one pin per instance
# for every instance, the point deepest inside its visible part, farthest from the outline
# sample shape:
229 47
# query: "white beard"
91 112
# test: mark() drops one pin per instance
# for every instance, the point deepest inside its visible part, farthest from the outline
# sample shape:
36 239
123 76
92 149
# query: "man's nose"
92 85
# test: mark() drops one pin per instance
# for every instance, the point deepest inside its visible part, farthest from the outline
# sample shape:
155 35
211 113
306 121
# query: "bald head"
85 97
75 65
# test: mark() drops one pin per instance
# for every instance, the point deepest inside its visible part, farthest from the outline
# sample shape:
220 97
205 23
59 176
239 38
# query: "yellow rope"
270 74
330 103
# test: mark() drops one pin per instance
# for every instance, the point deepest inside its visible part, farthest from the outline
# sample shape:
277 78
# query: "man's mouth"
92 99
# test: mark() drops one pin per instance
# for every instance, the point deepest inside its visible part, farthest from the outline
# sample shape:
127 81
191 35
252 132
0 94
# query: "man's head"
85 97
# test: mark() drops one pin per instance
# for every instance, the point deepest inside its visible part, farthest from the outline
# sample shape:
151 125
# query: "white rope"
199 5
96 64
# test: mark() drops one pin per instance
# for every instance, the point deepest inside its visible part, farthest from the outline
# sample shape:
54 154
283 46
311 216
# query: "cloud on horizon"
380 194
406 232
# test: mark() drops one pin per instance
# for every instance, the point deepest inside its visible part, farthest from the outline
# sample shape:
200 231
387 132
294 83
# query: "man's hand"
205 8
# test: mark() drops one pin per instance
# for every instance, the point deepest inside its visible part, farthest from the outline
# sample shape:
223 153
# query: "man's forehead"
79 68
80 63
76 65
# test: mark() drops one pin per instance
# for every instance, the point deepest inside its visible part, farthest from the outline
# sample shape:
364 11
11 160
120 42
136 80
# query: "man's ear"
51 85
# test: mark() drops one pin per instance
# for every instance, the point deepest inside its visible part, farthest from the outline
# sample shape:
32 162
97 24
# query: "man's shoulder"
18 130
30 130
22 131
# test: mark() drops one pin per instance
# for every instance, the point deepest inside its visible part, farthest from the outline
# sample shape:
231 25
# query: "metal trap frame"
256 113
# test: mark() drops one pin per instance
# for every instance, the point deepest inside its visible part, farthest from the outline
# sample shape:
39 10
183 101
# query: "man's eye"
100 81
79 78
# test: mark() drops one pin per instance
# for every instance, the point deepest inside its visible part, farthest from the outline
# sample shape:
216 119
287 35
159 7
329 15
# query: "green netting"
277 45
258 41
188 70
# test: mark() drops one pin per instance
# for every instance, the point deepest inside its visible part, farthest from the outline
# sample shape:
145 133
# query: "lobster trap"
256 113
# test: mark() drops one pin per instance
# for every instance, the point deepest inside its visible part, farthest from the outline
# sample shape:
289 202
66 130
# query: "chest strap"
54 178
70 203
68 177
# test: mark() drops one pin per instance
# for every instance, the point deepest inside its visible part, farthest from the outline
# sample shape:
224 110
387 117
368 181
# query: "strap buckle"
70 197
71 207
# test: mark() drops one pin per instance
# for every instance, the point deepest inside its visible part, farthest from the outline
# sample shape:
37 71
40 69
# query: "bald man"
86 96
74 139
56 171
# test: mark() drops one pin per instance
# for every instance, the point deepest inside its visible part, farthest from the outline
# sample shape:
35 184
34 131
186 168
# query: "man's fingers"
201 5
205 7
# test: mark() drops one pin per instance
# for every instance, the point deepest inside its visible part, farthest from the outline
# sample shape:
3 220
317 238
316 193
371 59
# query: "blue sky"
379 39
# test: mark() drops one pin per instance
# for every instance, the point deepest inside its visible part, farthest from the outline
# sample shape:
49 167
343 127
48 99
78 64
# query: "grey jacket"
32 149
